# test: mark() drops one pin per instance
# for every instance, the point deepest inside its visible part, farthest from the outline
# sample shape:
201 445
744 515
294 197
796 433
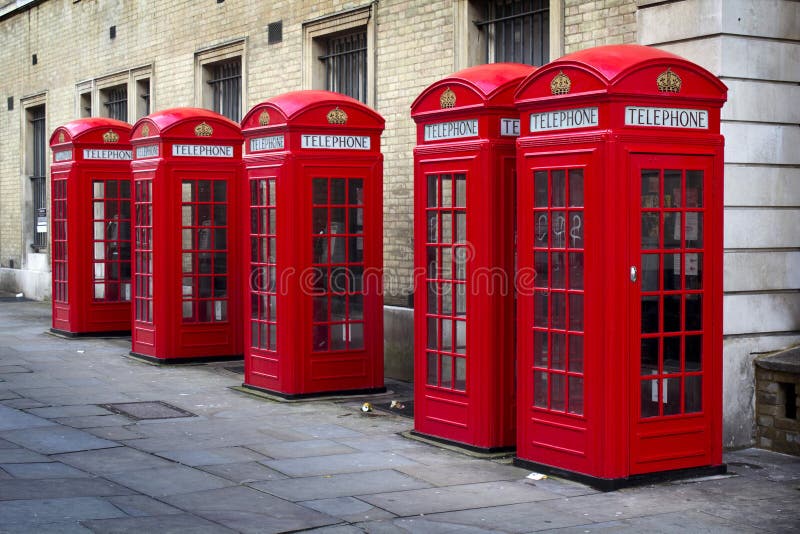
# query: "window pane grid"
558 326
672 292
60 240
446 280
116 102
204 250
38 179
517 31
226 87
338 264
346 64
263 266
111 240
143 252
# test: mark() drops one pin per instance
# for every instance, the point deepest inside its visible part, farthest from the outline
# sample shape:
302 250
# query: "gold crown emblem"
669 82
60 137
263 119
145 130
337 116
561 84
448 99
110 137
203 130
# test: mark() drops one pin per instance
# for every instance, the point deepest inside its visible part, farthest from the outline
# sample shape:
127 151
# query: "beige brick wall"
589 23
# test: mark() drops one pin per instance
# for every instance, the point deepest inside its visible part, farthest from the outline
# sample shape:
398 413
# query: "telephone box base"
464 447
613 484
70 335
280 396
180 361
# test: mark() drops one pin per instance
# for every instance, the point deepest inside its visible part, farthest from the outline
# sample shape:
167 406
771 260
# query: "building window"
221 84
115 102
339 54
346 64
37 170
142 97
518 31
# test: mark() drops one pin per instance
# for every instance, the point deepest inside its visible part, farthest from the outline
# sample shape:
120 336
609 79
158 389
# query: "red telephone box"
314 273
91 227
464 173
620 167
187 172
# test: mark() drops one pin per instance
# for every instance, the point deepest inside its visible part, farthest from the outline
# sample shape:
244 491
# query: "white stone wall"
754 47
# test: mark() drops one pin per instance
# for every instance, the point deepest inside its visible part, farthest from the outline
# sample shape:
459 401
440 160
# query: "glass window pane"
575 354
693 394
321 337
558 270
576 229
220 215
461 299
558 311
433 196
447 335
186 191
460 343
650 314
356 194
558 237
576 270
693 270
541 229
672 272
576 187
540 349
650 272
694 189
461 227
220 191
320 191
672 354
576 312
694 229
649 398
356 335
649 356
672 396
540 196
559 359
461 190
559 188
433 333
461 374
558 392
203 191
540 309
576 395
650 188
447 191
98 189
694 353
433 370
540 389
540 265
447 371
338 190
672 313
694 312
672 229
649 230
672 189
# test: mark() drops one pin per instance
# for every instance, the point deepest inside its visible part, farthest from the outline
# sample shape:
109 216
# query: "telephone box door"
672 269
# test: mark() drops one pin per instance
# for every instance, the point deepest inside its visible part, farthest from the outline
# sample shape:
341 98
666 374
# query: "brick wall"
777 388
599 22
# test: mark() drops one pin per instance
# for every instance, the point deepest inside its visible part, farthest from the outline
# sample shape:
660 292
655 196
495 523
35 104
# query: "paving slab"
420 524
348 509
302 449
21 456
340 485
142 505
22 404
174 479
31 513
56 439
670 523
94 421
53 412
162 524
59 527
221 455
58 488
432 500
338 463
43 470
12 419
114 433
248 510
466 472
242 473
115 460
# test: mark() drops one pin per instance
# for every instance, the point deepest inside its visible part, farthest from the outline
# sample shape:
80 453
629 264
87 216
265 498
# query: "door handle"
634 273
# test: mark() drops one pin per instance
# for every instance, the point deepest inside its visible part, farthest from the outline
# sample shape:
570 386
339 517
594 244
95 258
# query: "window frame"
206 59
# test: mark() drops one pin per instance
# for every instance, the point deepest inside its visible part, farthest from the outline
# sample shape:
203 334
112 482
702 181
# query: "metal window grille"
144 97
117 102
38 178
346 65
517 31
226 87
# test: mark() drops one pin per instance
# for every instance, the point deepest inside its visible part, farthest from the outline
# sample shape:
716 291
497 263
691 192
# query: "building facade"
64 59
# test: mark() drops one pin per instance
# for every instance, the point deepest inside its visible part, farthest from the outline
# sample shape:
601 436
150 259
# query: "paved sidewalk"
69 462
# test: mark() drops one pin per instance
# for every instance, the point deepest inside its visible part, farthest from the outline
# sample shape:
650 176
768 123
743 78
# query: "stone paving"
245 464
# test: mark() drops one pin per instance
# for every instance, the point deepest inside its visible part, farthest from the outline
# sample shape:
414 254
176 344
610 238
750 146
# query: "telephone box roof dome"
310 106
629 69
182 122
80 127
482 85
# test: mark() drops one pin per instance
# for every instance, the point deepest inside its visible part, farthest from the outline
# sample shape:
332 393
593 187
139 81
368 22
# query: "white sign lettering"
97 153
335 142
564 119
147 151
62 155
451 130
204 151
666 117
273 142
509 127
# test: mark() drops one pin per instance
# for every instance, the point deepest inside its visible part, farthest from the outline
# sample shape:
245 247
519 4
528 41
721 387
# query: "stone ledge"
786 361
